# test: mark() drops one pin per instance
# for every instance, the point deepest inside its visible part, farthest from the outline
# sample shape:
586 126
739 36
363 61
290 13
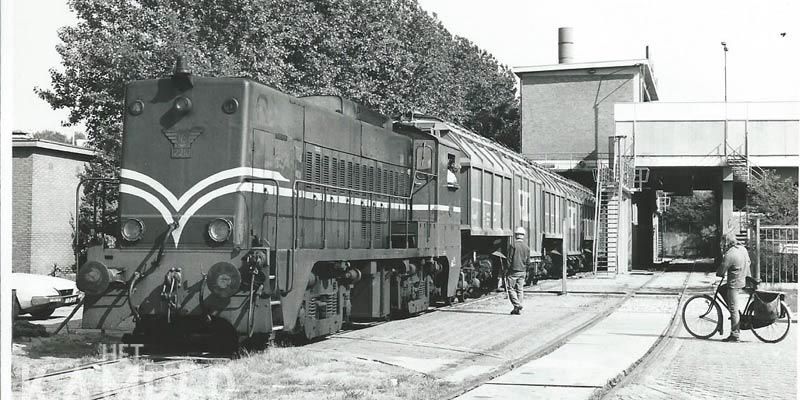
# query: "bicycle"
702 314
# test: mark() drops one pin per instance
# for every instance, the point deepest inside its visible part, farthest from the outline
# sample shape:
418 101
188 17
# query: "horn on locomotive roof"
181 67
182 75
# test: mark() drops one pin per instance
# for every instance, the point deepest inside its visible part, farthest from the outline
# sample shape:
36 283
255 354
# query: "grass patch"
40 355
297 373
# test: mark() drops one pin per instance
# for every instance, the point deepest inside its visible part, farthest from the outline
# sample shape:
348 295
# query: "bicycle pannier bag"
766 308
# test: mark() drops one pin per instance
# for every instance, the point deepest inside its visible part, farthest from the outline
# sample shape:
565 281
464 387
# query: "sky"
684 39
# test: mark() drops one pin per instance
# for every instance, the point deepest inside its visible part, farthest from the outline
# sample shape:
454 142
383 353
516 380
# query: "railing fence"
776 250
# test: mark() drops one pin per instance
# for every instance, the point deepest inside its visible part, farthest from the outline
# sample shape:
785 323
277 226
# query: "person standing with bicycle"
736 265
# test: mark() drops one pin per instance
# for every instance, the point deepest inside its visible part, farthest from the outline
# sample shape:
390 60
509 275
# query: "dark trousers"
733 296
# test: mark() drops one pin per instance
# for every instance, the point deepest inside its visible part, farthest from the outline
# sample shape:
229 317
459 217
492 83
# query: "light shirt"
736 263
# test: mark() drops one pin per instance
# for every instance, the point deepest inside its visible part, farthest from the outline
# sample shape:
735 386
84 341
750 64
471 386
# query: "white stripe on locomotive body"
153 200
178 203
254 187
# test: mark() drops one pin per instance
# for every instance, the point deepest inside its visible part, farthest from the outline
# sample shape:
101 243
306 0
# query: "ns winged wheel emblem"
181 140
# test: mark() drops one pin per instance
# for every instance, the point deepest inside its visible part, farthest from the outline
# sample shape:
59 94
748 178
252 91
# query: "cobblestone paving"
691 368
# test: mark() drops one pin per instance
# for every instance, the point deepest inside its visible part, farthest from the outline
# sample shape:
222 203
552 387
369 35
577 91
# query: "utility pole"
725 83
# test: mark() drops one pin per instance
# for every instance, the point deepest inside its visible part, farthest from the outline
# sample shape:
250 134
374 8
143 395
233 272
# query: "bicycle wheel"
702 316
776 331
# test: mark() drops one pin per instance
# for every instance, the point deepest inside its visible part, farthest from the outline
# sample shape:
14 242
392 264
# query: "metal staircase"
607 215
659 228
743 170
658 250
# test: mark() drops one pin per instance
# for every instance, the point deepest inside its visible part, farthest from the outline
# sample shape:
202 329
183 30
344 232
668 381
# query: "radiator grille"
317 168
309 163
326 176
323 306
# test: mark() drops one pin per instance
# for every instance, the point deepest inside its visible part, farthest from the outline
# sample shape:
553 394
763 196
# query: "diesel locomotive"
245 212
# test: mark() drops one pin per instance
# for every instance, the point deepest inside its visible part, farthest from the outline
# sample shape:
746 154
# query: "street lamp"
725 74
725 67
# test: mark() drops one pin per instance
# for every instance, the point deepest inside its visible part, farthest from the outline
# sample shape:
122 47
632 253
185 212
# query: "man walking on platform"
515 276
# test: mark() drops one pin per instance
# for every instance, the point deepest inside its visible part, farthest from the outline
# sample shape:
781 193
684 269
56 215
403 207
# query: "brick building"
568 109
45 176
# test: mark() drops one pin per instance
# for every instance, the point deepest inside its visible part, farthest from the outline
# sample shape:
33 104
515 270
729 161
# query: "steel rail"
73 369
114 392
548 347
632 373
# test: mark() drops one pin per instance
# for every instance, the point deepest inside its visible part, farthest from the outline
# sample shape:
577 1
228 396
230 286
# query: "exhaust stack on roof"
565 46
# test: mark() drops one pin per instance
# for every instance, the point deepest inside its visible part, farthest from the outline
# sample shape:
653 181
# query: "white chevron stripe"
153 200
179 203
203 200
241 187
154 184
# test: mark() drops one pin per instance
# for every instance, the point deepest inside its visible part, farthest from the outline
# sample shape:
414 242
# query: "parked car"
40 295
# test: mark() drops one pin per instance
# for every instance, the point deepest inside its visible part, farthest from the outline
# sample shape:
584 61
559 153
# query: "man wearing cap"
515 276
736 264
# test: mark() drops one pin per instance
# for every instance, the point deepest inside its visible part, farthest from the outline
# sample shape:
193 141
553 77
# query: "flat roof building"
567 110
45 177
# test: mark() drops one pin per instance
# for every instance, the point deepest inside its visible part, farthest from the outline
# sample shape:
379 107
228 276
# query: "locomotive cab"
199 211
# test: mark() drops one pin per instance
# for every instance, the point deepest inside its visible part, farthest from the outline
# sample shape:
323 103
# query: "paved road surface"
691 369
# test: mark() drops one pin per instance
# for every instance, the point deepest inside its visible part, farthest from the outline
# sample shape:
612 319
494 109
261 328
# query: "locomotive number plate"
182 140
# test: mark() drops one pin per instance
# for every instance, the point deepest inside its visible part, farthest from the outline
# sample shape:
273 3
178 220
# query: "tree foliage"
775 198
389 55
696 217
52 136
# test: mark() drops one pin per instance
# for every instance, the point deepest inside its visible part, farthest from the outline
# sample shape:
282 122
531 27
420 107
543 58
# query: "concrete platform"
471 340
588 361
475 341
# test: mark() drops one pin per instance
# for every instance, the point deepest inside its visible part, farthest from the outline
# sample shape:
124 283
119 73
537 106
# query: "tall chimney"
565 45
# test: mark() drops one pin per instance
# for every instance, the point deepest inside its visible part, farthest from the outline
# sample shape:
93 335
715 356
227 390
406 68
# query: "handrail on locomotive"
76 232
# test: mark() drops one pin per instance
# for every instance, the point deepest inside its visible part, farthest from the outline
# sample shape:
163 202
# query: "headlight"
136 107
183 104
219 230
41 300
223 279
132 230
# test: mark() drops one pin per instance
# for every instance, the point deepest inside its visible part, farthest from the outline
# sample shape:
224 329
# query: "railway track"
619 298
155 362
661 345
113 392
354 326
556 343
